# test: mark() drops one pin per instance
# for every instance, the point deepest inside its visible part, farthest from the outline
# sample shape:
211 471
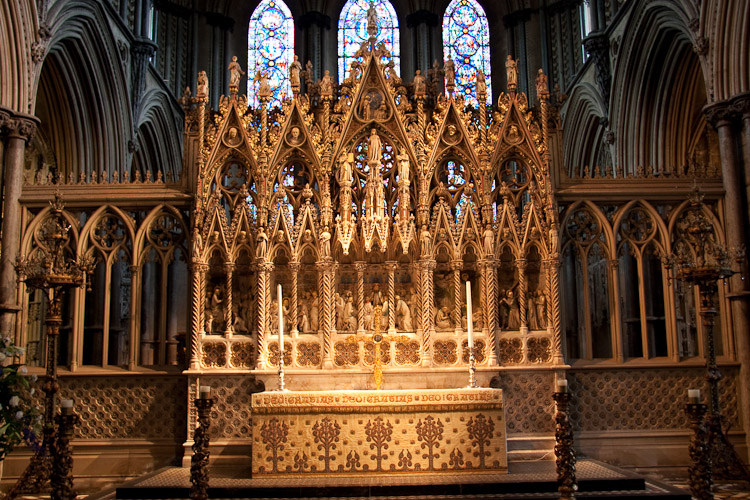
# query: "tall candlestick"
281 321
469 319
694 396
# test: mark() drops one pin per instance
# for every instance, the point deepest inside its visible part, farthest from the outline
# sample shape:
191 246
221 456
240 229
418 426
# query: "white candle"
469 322
694 396
562 386
281 321
205 392
66 403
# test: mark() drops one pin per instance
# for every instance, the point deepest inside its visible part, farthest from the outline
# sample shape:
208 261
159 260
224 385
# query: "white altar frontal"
378 432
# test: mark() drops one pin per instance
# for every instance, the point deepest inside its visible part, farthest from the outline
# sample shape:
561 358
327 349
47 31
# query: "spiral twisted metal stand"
700 471
565 456
199 461
62 458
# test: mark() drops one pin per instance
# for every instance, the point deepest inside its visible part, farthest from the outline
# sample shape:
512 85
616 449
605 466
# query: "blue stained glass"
353 32
455 175
466 38
270 50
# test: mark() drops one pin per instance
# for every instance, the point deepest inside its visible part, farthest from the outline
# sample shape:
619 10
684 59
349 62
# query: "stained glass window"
353 32
270 50
466 38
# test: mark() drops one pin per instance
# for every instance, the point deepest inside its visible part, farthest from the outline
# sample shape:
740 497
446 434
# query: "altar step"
595 481
524 453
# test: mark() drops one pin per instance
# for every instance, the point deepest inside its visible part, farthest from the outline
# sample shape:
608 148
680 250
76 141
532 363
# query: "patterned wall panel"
231 413
643 399
528 401
128 407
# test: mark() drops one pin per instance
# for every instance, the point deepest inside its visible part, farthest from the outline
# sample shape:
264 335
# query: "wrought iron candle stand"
565 455
201 453
711 262
50 269
699 472
62 467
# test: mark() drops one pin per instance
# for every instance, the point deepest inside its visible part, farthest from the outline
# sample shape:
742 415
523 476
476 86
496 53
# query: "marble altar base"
378 432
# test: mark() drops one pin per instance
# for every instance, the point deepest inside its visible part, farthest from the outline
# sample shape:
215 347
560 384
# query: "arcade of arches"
559 187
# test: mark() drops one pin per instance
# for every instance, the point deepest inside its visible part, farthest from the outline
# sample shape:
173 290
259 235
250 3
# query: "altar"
376 432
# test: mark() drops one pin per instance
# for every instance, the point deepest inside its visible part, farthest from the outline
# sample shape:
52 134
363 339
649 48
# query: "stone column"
456 266
360 266
229 329
614 313
327 327
146 316
17 130
553 308
198 306
391 266
293 306
315 24
133 326
521 265
741 105
263 298
490 307
426 267
722 116
422 23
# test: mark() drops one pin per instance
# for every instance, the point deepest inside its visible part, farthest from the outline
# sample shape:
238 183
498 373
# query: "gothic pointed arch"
270 50
466 40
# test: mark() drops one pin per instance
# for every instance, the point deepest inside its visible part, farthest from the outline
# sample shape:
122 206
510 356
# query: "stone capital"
360 266
457 265
720 114
741 104
17 125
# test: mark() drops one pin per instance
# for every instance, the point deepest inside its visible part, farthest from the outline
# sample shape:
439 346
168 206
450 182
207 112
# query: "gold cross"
377 339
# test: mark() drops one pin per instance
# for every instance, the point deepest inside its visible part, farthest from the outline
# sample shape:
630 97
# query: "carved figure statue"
294 71
403 167
541 84
294 137
541 309
533 324
345 170
489 240
349 314
261 243
326 85
443 318
339 305
376 296
305 311
372 21
325 243
450 74
264 89
511 71
367 315
217 310
481 83
425 239
235 73
374 144
403 315
365 109
420 84
510 306
202 89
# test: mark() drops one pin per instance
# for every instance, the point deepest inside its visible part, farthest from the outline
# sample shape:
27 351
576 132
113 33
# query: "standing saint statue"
403 167
374 154
450 74
202 89
235 73
326 85
264 89
541 85
481 85
372 21
420 84
294 70
511 71
345 170
261 243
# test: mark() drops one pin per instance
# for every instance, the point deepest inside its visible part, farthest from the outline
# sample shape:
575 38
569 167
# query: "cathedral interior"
336 169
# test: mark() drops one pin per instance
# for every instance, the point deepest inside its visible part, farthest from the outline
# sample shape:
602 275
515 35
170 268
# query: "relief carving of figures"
349 314
403 315
510 318
216 320
443 319
533 324
541 309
